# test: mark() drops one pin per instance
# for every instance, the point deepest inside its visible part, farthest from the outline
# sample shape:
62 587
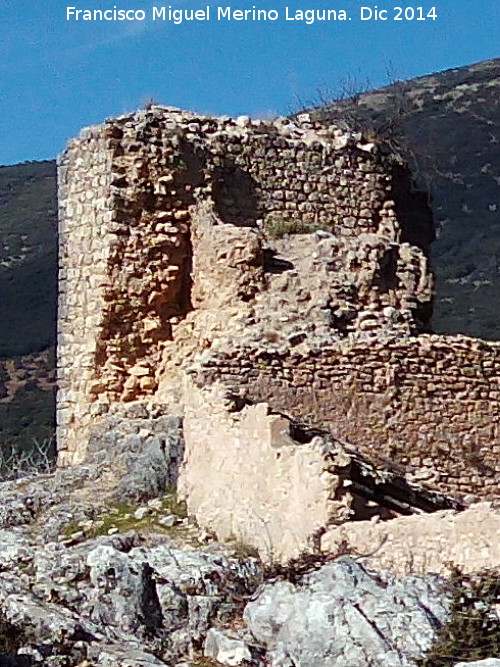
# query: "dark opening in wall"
386 278
235 195
274 264
413 210
390 497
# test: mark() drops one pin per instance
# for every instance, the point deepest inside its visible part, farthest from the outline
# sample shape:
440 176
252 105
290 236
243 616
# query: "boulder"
226 650
342 616
119 656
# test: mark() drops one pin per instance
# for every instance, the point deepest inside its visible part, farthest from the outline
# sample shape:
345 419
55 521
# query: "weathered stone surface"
23 500
226 650
117 656
124 598
66 591
170 241
46 623
488 662
144 450
423 544
308 483
14 548
252 509
340 616
78 598
288 262
398 400
95 600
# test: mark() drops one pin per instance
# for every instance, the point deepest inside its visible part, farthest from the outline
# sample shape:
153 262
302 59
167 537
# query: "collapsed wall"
426 405
255 475
285 266
423 544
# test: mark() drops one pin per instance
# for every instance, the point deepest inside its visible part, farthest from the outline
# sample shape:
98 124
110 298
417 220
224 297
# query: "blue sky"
58 76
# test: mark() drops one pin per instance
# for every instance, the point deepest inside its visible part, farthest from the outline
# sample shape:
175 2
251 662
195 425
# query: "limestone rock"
341 616
147 450
118 656
67 594
226 650
134 599
14 548
123 594
109 591
46 622
141 512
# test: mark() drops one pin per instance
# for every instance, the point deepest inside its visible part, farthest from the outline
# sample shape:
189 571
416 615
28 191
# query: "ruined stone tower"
225 269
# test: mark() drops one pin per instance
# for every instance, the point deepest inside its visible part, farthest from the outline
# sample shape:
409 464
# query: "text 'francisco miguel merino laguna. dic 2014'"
227 13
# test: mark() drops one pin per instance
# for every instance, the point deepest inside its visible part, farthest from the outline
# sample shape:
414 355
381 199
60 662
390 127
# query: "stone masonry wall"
142 200
256 476
85 213
428 405
252 510
423 544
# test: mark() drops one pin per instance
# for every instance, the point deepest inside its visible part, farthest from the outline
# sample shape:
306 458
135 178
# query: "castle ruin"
270 282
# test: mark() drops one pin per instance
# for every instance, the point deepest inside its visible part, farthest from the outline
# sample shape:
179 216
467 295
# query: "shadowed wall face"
427 406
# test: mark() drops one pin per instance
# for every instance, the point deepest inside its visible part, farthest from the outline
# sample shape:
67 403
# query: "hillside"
28 288
448 125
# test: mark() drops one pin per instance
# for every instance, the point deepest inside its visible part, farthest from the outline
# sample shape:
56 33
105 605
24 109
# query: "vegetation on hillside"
473 629
28 258
28 289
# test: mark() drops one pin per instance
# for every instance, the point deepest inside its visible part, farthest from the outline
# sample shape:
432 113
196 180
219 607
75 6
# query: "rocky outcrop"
86 574
340 616
121 599
108 596
143 446
93 573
